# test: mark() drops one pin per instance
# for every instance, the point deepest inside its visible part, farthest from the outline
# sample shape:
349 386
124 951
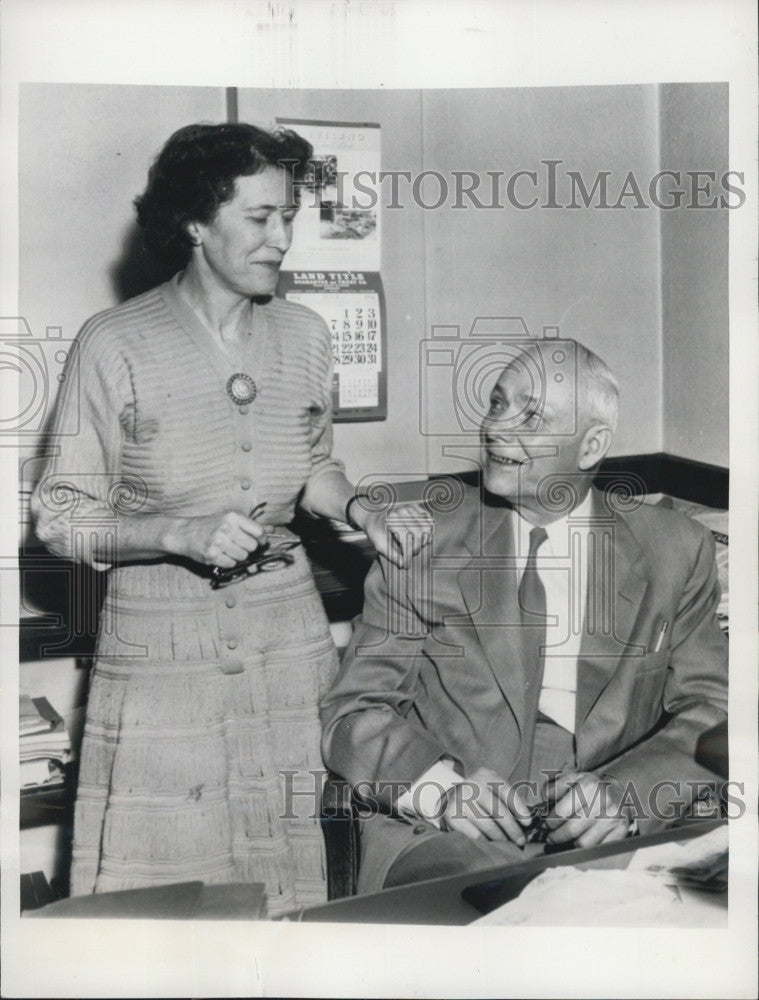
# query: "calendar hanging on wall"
352 305
334 261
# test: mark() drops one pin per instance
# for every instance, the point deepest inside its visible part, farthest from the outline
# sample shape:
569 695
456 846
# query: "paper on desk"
656 889
568 896
701 855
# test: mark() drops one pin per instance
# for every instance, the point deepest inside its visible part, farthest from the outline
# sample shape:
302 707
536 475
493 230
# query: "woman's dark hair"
195 173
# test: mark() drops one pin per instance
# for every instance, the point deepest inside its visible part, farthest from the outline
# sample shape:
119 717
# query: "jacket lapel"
614 595
490 593
489 589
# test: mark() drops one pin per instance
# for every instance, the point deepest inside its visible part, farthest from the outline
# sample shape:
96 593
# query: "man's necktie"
532 596
532 608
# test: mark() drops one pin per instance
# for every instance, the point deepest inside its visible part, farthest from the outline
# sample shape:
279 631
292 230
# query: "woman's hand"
396 530
398 534
216 539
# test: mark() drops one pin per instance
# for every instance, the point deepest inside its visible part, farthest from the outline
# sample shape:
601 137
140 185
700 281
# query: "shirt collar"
557 530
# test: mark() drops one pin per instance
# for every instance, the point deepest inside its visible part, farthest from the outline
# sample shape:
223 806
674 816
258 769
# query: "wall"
694 242
592 272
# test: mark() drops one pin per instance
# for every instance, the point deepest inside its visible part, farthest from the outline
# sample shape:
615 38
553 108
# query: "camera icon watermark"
457 373
31 369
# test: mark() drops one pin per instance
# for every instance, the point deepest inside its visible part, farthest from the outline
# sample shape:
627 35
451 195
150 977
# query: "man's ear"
595 443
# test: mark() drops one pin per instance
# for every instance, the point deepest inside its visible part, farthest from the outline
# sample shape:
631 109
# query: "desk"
181 901
440 901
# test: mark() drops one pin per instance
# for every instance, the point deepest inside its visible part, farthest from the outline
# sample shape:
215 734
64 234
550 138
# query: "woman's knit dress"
202 728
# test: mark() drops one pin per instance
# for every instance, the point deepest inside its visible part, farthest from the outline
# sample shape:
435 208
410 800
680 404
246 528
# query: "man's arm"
367 733
695 699
658 778
371 738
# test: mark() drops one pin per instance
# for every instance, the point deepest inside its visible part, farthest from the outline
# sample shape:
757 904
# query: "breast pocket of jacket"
647 694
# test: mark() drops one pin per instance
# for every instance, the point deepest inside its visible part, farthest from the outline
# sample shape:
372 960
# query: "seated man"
555 648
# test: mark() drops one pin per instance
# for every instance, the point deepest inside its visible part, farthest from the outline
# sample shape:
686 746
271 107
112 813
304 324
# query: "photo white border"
318 43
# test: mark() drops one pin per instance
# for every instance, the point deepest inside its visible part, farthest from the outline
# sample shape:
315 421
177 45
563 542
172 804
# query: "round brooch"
241 389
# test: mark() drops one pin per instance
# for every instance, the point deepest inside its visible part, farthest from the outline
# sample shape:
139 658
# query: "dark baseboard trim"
681 477
656 472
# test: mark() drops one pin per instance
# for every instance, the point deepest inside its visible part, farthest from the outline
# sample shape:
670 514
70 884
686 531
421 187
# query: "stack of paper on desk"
44 744
700 863
656 890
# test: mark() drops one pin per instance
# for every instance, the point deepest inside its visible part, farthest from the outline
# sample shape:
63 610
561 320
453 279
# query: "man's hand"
484 805
587 810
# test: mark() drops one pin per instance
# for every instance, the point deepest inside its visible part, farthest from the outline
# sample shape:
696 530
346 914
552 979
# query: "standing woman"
202 418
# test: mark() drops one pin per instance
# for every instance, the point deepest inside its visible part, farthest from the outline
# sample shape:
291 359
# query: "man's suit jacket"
436 665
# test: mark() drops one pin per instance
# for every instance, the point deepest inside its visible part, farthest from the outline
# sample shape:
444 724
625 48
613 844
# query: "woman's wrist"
170 536
356 511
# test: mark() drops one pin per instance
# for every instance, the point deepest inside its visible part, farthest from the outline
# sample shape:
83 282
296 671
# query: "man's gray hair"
598 387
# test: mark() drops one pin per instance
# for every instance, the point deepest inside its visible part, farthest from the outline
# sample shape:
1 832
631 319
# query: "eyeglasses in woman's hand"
265 559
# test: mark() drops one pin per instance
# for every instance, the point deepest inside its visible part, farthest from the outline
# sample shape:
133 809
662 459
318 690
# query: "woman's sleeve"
322 368
77 499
